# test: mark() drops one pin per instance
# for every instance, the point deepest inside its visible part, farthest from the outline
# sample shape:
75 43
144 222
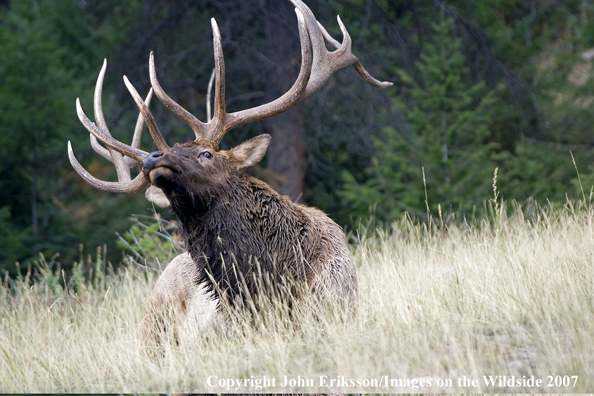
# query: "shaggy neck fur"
244 232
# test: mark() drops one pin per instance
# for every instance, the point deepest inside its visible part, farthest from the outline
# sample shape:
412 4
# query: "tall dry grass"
441 306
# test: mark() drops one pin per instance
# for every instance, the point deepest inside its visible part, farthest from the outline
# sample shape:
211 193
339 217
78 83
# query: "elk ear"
251 151
157 196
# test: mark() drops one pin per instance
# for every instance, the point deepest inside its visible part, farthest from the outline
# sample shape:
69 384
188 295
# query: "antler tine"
94 143
216 133
129 187
99 149
208 92
136 138
364 74
327 36
148 117
197 126
109 141
122 168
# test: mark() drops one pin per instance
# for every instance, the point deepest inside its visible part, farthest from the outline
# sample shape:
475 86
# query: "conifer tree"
449 137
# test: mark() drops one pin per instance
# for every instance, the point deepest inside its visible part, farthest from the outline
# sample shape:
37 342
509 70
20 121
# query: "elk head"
198 167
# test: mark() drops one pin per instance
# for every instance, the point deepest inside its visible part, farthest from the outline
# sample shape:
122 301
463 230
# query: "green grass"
512 297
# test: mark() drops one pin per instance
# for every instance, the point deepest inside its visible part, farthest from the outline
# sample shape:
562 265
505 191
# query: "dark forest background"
478 85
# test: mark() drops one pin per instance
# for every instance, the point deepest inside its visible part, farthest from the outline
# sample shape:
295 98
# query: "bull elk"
236 228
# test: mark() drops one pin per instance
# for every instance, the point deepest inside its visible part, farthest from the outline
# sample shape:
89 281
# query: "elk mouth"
162 177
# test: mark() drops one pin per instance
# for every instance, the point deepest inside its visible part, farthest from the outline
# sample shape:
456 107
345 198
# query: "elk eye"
205 154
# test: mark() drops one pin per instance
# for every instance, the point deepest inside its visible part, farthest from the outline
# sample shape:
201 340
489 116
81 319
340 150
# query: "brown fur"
243 237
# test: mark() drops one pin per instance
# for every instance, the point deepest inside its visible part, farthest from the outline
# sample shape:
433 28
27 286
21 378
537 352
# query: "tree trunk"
286 153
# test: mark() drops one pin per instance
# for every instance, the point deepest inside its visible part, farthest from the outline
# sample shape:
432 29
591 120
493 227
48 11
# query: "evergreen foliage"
449 138
49 58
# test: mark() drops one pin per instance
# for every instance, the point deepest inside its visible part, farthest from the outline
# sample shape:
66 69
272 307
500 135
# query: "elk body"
243 238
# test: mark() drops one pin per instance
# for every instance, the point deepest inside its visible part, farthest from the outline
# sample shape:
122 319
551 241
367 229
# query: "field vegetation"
493 295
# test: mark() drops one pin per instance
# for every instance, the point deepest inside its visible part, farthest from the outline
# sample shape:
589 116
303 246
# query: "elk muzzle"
159 171
150 162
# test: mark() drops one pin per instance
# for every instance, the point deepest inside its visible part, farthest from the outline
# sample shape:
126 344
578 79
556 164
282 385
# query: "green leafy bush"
151 245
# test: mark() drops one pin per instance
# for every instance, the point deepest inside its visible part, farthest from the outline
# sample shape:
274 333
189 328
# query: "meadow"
503 304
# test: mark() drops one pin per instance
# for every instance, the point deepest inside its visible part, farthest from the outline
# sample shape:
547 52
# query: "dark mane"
228 236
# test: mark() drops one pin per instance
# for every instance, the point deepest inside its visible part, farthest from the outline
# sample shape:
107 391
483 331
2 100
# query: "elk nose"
150 160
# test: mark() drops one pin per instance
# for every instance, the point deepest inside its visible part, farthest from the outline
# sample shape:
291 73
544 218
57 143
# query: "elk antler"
316 69
328 63
317 65
125 184
222 122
